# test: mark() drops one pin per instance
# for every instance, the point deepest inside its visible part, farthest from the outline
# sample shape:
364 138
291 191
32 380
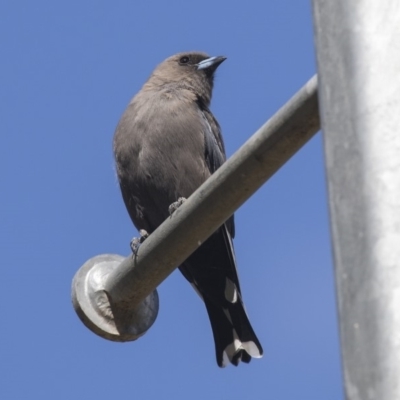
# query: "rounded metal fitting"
113 321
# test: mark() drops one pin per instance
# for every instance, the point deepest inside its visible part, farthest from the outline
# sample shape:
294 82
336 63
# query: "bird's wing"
214 149
213 142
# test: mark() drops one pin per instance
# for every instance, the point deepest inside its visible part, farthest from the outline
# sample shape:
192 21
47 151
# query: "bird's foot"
175 205
136 242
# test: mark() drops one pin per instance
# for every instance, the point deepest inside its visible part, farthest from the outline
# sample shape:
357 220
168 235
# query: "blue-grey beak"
211 63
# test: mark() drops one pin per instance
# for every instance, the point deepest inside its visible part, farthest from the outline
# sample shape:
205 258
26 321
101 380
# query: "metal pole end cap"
93 306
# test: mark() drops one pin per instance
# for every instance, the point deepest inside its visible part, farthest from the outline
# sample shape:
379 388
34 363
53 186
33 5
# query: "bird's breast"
163 150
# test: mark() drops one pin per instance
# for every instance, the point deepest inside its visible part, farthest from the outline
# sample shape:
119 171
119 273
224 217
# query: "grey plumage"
166 145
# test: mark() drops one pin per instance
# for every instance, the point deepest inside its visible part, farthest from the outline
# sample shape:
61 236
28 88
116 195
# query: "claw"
136 242
175 205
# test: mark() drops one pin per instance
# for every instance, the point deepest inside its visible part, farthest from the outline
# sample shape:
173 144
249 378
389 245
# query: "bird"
166 144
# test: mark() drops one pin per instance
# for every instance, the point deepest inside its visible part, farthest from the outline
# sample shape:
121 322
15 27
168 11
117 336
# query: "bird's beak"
211 63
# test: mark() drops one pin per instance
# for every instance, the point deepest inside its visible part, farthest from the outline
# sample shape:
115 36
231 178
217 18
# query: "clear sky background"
67 72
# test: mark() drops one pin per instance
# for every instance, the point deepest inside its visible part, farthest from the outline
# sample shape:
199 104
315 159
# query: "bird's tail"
234 337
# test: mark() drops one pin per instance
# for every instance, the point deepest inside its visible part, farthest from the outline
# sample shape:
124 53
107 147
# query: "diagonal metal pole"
116 297
358 57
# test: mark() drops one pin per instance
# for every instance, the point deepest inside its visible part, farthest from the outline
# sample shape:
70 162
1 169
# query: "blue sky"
68 70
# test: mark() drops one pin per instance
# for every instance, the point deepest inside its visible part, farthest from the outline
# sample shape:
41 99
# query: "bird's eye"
184 60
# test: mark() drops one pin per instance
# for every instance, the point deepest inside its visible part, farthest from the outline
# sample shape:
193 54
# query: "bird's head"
191 70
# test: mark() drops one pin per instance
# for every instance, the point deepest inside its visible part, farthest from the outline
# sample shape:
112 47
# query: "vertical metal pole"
358 53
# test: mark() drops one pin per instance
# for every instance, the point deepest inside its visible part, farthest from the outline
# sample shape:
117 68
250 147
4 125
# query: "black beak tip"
211 64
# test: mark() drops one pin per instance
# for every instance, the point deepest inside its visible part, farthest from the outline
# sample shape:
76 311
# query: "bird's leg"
175 205
136 242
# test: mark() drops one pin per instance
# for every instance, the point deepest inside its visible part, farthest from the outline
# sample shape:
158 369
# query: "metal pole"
358 55
106 288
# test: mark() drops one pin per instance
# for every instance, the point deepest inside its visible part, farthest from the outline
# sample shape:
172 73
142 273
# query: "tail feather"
211 269
234 337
